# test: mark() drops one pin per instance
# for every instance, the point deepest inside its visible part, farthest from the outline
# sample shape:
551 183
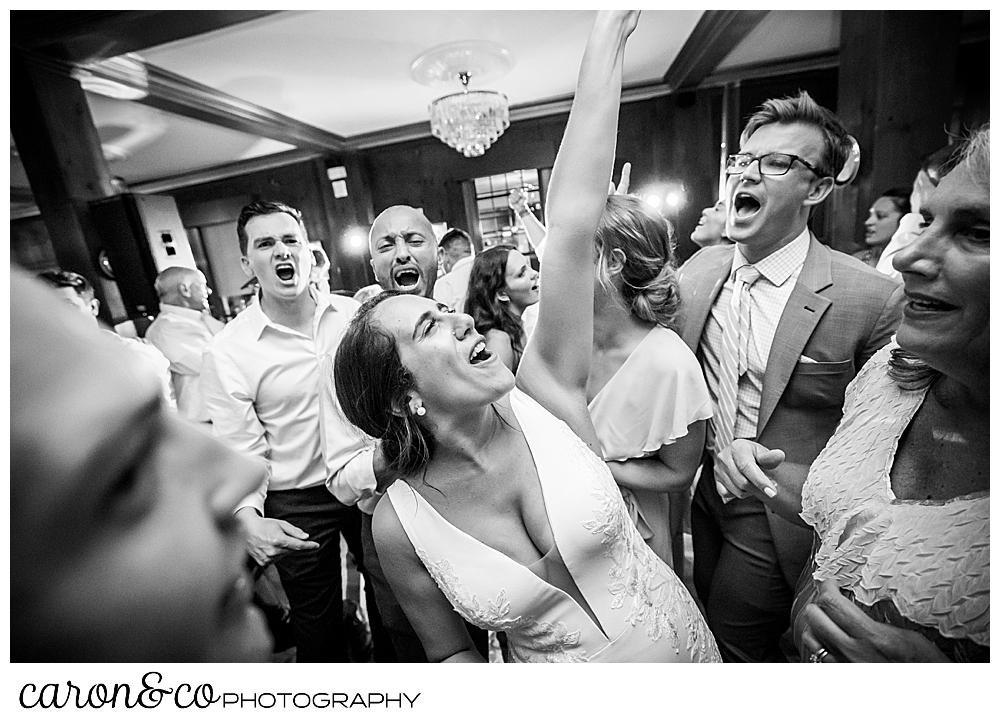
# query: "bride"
502 509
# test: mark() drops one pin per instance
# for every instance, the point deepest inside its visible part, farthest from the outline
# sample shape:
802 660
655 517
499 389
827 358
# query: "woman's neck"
970 396
465 442
516 310
614 325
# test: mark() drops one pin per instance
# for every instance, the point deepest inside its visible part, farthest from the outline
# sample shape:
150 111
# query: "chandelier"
469 121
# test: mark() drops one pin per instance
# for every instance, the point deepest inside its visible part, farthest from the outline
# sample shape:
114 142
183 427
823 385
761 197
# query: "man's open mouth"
745 205
285 272
406 278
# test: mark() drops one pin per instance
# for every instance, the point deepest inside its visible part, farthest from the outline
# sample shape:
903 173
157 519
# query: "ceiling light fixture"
469 121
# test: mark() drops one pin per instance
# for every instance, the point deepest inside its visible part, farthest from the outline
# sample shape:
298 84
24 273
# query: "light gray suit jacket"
839 314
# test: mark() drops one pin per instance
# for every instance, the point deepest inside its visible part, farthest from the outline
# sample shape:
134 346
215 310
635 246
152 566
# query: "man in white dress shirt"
457 257
181 331
76 291
261 384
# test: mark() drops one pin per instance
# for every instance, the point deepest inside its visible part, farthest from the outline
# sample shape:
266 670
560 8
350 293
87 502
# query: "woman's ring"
819 655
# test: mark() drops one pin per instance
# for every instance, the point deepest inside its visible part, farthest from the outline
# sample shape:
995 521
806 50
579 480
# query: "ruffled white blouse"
931 559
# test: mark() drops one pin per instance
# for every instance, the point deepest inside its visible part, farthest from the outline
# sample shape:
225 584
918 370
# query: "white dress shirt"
182 335
453 287
153 359
768 297
261 382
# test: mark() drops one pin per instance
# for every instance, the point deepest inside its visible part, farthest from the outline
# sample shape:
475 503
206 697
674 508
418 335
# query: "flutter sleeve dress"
651 401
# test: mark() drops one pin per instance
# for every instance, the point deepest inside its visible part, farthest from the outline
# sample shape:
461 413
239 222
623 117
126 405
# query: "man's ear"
819 190
374 270
95 306
245 263
184 289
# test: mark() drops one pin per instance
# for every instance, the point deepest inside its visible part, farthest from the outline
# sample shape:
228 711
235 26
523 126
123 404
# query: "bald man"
404 251
181 331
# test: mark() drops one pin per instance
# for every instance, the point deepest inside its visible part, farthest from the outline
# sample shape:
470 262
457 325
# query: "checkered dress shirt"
768 297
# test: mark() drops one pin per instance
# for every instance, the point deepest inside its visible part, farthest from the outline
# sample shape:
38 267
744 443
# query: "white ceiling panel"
348 71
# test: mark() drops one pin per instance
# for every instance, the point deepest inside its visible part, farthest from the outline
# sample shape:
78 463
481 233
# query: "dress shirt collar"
259 321
181 311
781 264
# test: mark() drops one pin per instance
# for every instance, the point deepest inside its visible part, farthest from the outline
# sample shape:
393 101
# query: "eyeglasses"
770 164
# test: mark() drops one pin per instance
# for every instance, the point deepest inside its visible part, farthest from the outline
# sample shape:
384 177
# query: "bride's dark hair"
372 386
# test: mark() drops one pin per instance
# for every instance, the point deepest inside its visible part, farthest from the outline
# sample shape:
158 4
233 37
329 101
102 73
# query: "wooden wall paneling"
972 77
668 138
896 98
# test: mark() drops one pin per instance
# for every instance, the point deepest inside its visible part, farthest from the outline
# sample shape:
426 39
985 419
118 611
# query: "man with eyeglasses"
781 324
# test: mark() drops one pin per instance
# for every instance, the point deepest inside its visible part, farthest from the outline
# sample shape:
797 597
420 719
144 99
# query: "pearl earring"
421 411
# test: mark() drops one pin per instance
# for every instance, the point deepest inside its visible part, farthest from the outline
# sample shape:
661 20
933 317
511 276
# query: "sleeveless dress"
909 563
643 611
651 401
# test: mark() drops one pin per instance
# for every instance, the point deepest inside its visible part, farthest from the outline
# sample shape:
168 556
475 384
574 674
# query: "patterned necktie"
735 343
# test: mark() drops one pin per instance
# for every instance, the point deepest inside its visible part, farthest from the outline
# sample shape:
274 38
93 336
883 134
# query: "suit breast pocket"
819 384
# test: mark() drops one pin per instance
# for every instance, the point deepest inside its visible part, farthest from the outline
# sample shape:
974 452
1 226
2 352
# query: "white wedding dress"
639 611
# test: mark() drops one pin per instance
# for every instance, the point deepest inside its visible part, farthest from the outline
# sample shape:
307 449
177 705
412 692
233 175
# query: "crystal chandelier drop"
470 121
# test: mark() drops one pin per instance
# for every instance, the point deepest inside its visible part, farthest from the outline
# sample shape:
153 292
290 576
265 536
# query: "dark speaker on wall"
126 256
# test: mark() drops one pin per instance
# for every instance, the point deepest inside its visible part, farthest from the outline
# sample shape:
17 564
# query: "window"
497 222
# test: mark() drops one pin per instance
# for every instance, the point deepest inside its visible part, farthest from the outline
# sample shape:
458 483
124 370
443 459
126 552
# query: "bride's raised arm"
556 364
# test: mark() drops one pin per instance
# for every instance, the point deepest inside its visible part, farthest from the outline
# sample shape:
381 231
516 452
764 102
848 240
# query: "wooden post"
61 152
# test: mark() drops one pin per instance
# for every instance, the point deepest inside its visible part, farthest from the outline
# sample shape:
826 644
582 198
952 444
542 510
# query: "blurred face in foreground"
124 546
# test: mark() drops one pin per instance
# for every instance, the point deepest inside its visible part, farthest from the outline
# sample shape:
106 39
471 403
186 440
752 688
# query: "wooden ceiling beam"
81 36
713 38
182 96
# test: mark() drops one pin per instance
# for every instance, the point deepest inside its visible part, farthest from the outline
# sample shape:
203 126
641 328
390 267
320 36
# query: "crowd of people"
511 457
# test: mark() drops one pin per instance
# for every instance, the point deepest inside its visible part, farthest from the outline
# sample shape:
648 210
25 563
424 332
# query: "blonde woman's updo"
635 259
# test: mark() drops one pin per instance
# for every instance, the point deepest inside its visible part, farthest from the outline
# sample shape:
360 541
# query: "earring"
421 411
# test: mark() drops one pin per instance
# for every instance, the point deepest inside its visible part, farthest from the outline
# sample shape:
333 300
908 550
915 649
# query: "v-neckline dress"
643 611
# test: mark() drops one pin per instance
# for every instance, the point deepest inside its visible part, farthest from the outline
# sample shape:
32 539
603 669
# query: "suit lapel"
802 313
701 294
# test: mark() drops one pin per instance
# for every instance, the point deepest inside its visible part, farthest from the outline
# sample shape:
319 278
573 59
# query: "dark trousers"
404 639
382 649
747 600
311 578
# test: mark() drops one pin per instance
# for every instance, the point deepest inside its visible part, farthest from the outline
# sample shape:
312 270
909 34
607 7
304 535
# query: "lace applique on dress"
553 643
640 576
